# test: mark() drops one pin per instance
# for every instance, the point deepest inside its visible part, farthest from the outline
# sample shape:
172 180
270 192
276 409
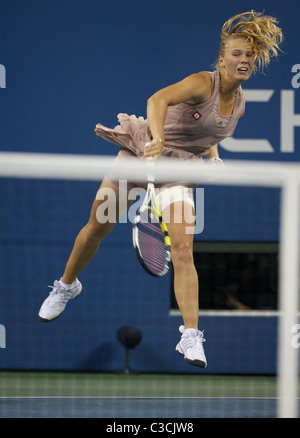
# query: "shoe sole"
49 320
197 363
178 349
53 319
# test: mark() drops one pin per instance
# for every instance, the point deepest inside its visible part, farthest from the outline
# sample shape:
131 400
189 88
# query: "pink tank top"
190 130
195 128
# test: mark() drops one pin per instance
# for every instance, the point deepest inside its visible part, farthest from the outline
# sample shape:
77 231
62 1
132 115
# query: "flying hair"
260 31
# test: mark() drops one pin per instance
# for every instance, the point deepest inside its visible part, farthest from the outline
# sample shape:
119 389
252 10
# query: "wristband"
215 161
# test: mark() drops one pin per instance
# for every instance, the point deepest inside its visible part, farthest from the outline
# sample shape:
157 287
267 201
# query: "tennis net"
45 200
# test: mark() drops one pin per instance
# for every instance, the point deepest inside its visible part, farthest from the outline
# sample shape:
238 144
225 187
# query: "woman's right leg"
91 235
85 247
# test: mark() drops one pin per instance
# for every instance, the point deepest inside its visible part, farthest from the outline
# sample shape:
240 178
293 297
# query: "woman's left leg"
181 230
180 225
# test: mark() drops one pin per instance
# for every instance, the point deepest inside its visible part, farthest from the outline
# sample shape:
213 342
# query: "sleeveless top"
190 129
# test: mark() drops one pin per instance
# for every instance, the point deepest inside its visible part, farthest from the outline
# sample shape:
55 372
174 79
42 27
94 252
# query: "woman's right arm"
194 89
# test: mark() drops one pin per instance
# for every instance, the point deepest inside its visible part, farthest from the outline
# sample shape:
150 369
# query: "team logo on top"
197 115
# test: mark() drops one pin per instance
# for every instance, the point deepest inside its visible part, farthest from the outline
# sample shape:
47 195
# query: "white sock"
190 331
67 286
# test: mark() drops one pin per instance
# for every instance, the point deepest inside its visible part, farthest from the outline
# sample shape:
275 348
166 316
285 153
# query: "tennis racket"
150 235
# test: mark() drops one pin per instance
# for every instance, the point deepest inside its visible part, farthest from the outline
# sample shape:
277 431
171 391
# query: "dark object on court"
129 337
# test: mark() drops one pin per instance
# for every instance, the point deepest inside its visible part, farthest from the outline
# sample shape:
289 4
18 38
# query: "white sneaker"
55 304
191 347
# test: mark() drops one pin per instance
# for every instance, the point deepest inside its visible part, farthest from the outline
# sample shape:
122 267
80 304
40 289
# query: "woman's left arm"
213 156
213 152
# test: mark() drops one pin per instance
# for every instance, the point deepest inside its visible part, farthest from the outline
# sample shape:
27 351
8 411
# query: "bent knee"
97 231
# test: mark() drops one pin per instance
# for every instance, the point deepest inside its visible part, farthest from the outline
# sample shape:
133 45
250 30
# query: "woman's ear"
220 61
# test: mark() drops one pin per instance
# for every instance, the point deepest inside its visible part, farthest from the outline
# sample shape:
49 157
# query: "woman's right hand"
154 148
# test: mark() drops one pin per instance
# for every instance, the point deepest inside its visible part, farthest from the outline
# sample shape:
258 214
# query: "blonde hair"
261 31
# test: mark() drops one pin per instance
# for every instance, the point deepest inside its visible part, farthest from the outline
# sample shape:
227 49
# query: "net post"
287 354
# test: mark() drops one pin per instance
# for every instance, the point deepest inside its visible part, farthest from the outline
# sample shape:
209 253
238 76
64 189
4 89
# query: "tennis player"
185 120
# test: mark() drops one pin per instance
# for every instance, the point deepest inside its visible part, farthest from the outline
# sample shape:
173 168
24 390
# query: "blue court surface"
98 407
82 395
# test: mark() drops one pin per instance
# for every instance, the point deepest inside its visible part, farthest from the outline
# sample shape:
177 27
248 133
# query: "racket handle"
150 166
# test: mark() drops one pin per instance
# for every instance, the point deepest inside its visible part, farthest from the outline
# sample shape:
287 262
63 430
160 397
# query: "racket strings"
152 246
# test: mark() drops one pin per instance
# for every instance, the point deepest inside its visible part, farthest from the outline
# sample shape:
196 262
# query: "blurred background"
72 64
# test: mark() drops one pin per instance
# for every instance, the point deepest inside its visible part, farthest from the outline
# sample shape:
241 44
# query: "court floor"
101 395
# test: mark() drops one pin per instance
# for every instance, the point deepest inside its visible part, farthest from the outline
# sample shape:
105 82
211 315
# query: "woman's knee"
96 231
182 253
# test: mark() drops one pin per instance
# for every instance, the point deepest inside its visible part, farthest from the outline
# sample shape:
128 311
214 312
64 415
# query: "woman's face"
237 63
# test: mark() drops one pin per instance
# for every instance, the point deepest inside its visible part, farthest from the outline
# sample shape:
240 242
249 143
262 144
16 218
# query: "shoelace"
194 341
199 333
59 294
199 341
